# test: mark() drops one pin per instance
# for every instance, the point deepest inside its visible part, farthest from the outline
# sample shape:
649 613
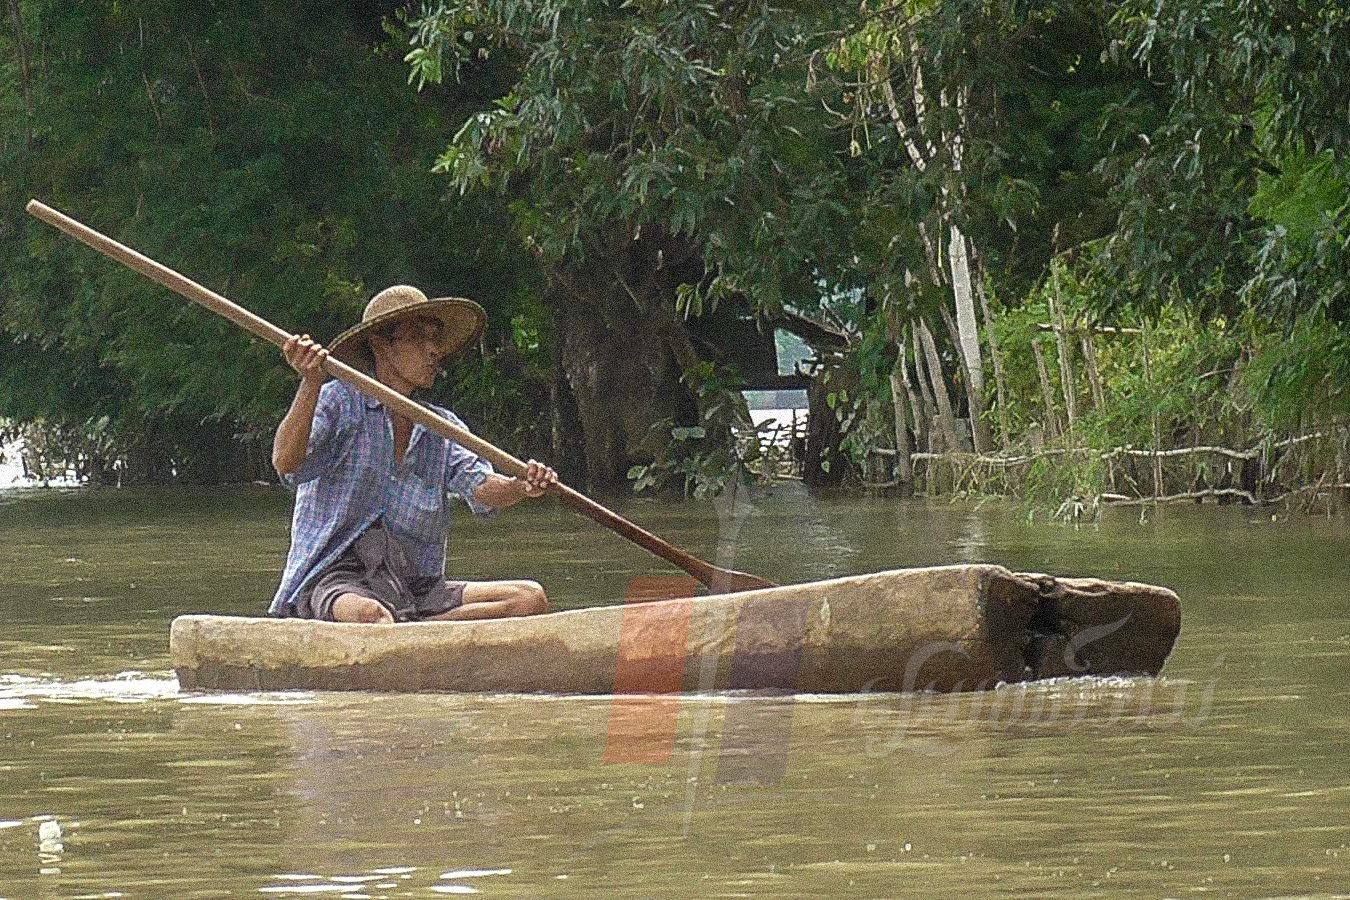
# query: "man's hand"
499 491
306 357
292 438
538 478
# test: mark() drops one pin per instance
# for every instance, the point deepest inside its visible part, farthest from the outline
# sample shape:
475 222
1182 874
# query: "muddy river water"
1228 776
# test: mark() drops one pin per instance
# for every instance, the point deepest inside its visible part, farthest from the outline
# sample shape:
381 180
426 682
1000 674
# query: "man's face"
414 351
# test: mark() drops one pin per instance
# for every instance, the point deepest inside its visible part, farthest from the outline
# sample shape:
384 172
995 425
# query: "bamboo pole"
1153 405
1095 329
1047 396
916 410
946 416
967 336
932 433
980 439
904 469
1000 396
1065 353
1094 377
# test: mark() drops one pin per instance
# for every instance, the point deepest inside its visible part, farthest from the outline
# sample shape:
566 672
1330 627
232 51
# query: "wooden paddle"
717 580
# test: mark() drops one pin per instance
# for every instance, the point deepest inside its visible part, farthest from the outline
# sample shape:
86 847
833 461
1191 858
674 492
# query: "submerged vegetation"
1082 253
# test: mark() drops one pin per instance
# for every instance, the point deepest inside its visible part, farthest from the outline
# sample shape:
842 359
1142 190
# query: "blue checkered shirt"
349 479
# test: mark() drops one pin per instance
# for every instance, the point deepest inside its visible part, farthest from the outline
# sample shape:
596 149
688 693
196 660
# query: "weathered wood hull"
949 628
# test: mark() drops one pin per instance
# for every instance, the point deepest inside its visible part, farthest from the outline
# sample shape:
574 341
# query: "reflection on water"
971 541
1224 773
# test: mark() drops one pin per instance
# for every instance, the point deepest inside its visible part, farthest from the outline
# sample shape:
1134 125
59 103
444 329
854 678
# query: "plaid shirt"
349 479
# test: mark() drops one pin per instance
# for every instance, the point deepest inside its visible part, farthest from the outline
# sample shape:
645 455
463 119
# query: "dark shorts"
375 566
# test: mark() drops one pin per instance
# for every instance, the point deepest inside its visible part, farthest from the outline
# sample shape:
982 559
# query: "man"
371 518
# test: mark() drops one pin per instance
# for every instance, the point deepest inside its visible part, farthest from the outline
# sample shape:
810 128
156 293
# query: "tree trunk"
567 444
1047 396
979 431
1153 405
1065 352
1342 494
904 471
932 434
916 409
1094 377
623 376
968 338
825 463
999 386
946 417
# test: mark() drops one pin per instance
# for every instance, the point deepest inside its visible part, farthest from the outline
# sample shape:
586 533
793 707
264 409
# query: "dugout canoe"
948 628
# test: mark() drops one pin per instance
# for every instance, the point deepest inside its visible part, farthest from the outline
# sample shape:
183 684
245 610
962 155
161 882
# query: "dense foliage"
1037 230
280 160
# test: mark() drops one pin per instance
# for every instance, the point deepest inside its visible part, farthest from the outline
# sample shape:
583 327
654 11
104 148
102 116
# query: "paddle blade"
724 581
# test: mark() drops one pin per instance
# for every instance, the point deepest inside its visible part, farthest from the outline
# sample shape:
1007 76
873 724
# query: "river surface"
1228 776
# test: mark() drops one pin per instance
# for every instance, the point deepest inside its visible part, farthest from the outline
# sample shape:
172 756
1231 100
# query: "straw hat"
462 320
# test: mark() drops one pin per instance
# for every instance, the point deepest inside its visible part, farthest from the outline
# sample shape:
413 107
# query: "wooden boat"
949 628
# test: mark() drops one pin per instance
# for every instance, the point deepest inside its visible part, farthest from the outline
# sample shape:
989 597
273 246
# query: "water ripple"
24 691
124 687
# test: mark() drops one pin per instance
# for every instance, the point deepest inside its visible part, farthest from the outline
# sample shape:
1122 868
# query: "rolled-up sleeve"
465 471
330 415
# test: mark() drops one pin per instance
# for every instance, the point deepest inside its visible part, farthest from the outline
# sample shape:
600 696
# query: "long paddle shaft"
717 580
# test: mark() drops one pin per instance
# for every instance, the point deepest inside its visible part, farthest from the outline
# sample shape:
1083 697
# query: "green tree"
978 125
278 158
1245 182
669 170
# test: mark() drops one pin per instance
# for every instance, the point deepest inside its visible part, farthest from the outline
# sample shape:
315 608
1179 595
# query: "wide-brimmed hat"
462 320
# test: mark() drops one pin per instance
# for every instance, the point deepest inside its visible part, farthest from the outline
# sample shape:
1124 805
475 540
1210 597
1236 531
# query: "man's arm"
499 492
292 439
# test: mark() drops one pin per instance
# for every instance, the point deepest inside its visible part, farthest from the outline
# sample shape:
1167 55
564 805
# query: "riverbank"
15 473
1307 473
